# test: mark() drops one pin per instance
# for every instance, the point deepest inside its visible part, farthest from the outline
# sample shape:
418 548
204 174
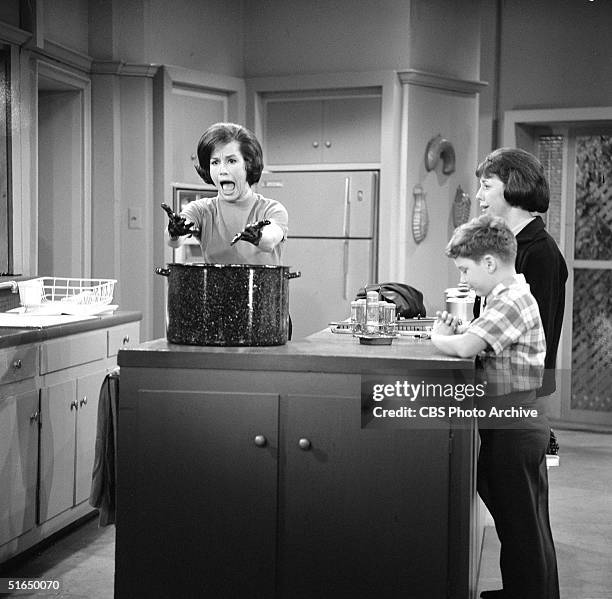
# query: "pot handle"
293 275
164 272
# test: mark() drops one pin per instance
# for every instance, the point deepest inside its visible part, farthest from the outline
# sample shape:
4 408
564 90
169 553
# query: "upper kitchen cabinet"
322 130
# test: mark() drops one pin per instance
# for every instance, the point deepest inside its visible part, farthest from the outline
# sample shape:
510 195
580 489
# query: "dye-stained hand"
177 225
251 233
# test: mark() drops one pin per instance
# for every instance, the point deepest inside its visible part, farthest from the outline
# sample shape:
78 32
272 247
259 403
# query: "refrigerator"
332 240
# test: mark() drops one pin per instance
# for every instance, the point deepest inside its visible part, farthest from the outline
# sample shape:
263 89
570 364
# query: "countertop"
321 352
10 336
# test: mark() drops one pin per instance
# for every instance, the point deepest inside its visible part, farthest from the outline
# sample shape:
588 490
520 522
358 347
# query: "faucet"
12 285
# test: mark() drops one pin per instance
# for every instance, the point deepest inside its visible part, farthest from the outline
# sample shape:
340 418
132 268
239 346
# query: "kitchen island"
252 472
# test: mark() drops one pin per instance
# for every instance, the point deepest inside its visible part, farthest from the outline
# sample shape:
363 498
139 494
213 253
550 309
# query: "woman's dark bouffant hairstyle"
523 177
224 133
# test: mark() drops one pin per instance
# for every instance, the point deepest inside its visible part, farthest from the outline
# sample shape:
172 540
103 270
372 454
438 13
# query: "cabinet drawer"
123 337
58 354
17 364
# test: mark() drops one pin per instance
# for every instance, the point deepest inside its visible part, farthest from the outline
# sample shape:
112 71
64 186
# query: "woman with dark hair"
238 225
513 186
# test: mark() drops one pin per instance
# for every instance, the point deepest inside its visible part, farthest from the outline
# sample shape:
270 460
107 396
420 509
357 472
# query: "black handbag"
408 300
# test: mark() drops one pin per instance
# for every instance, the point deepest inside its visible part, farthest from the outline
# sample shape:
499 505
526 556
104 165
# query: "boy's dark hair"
523 177
224 133
483 235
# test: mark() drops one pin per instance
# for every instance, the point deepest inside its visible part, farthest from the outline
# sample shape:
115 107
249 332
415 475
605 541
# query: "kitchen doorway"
578 163
575 147
588 355
63 208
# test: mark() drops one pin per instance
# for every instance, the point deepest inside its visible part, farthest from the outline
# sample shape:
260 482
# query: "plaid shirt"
512 328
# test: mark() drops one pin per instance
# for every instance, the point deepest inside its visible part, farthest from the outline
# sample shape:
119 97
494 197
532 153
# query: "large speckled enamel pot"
227 304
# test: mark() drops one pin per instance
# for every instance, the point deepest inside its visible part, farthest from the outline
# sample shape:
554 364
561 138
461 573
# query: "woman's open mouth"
228 187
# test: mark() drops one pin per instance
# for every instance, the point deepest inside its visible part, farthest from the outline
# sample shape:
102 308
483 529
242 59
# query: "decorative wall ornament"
438 149
420 218
461 207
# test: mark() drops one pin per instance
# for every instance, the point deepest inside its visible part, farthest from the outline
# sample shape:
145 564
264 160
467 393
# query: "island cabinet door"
362 513
197 488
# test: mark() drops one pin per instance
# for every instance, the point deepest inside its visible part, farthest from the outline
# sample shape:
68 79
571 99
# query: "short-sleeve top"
511 326
219 221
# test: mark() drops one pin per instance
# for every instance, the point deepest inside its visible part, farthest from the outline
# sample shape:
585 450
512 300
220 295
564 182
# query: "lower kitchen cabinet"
18 462
49 392
356 503
67 442
203 504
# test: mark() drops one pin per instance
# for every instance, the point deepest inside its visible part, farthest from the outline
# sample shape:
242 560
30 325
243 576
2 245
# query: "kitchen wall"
271 38
293 36
556 63
441 37
195 35
552 54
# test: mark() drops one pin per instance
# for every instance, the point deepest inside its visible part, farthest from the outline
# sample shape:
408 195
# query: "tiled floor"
581 505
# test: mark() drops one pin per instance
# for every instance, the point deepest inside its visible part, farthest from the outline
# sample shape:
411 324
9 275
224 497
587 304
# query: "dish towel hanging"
103 481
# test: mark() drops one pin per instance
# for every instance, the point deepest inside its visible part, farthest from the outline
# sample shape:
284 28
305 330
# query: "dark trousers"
513 483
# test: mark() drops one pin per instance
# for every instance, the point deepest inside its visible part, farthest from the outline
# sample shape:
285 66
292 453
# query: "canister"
460 302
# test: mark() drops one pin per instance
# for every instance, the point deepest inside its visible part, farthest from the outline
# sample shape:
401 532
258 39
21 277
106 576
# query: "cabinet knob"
84 401
126 340
315 144
304 444
260 441
17 364
34 416
328 144
74 405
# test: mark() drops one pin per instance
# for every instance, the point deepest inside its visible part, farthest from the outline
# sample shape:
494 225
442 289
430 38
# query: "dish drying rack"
411 327
83 295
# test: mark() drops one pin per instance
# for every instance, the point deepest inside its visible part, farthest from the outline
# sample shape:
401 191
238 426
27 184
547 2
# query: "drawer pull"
74 405
84 401
328 144
304 444
260 441
315 144
17 364
34 417
126 340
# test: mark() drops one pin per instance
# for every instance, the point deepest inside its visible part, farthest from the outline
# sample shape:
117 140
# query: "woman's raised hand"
177 225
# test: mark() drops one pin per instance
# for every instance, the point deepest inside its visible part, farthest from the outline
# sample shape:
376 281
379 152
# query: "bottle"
372 317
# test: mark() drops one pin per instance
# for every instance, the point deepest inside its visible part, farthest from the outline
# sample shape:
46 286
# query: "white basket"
48 290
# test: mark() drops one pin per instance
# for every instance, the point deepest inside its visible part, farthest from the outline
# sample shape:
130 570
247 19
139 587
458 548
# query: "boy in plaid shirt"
508 342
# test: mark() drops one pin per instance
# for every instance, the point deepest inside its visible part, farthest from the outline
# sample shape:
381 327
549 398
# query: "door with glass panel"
578 161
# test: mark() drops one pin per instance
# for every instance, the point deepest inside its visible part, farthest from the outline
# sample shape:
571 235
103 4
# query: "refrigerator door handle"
345 269
346 222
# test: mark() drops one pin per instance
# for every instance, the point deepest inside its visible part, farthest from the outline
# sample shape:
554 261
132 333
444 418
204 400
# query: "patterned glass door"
589 257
